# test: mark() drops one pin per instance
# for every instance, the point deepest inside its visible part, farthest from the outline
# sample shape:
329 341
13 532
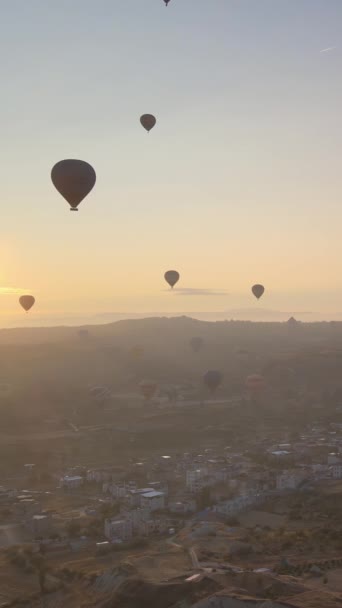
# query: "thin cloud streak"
328 49
12 291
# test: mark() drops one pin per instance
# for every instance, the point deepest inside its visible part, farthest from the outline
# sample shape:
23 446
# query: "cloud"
11 291
328 49
191 291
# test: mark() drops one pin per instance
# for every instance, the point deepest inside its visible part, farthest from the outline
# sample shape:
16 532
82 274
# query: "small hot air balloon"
26 302
196 343
255 383
258 290
136 353
83 334
148 389
213 379
73 179
171 277
148 121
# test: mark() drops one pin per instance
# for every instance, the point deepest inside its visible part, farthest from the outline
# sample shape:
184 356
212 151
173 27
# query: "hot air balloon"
73 179
212 379
255 383
148 389
136 353
171 277
166 2
83 334
148 121
196 344
258 290
26 302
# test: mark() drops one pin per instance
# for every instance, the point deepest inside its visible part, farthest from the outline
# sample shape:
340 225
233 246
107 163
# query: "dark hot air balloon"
166 2
171 277
26 302
196 343
258 290
73 179
212 379
148 121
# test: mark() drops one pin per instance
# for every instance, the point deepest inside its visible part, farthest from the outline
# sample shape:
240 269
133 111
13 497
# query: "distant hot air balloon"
258 290
136 353
171 277
148 121
26 302
148 389
166 2
255 383
73 179
212 379
196 343
83 334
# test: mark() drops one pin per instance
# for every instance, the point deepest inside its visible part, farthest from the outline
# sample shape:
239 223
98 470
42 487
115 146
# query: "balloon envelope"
196 343
26 302
255 382
148 121
148 389
166 2
213 379
258 290
73 179
171 277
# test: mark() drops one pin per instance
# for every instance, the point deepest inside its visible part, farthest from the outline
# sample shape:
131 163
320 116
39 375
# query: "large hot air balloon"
26 302
196 343
171 277
148 121
258 290
255 383
212 379
148 389
73 179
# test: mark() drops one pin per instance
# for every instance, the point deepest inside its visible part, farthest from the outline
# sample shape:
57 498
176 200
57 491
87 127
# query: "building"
195 479
290 480
41 526
182 506
137 516
71 482
337 471
333 458
153 500
134 496
119 529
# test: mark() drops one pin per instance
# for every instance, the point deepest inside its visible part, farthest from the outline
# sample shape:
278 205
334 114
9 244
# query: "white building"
71 482
290 480
333 458
195 479
41 526
231 507
182 506
115 489
337 471
120 529
153 500
137 516
134 496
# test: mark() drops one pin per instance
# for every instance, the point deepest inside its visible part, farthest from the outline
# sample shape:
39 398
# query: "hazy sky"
239 182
